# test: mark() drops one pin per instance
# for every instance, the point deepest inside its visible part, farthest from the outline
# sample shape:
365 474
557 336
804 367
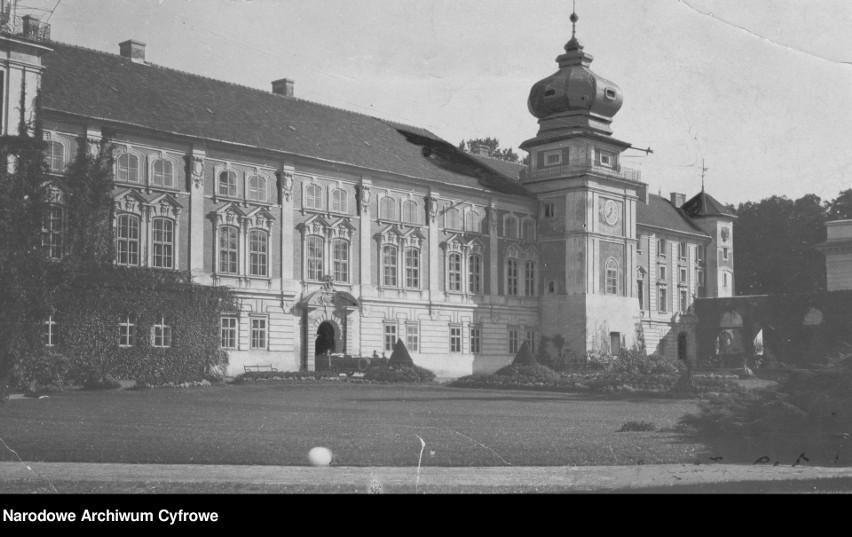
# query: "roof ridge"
495 158
243 86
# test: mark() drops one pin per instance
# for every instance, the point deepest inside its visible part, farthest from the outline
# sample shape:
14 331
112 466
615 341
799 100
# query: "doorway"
325 339
682 346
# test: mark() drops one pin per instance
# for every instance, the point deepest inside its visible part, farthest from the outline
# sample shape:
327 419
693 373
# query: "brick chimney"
135 50
678 199
480 149
283 87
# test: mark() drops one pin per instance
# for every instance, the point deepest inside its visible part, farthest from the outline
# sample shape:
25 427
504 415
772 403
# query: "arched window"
474 274
412 268
228 250
127 168
258 253
162 173
611 276
388 209
315 257
127 240
454 272
257 189
511 227
529 278
53 232
163 243
55 157
339 201
452 219
389 265
227 184
340 259
512 277
313 197
410 214
473 221
529 230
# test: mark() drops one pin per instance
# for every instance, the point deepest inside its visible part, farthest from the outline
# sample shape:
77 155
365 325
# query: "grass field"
364 425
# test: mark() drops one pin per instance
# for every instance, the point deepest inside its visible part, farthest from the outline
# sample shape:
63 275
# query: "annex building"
341 232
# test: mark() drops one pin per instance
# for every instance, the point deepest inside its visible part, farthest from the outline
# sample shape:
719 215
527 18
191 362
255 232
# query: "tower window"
609 93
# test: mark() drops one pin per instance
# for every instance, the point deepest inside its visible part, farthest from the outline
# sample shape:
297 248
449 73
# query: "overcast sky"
761 90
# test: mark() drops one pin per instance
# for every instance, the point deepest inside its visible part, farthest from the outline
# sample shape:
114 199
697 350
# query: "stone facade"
334 244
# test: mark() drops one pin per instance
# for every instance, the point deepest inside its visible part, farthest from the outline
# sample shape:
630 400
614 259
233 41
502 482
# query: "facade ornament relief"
94 146
364 198
433 209
286 177
197 170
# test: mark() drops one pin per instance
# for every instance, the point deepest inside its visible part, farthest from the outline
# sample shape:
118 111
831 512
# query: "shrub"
524 356
254 376
43 370
400 357
529 373
96 382
635 361
631 426
406 374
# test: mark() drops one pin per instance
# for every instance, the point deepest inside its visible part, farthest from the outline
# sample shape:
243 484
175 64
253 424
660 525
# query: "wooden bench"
250 368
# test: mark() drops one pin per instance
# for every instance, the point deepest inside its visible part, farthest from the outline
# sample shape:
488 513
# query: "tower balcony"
27 27
580 166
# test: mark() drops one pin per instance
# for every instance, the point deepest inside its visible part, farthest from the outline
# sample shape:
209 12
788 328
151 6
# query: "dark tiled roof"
95 84
509 169
704 204
660 213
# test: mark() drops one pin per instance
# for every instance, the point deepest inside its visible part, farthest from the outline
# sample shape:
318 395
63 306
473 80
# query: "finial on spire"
574 19
704 170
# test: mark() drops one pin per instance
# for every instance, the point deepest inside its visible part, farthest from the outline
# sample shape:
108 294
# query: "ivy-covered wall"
88 310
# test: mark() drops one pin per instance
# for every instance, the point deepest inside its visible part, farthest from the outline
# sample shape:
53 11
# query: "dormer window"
553 158
605 158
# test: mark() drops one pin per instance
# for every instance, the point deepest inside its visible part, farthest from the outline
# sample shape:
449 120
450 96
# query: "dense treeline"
775 239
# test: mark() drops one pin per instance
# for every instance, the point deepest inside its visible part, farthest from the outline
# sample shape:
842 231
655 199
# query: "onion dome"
575 89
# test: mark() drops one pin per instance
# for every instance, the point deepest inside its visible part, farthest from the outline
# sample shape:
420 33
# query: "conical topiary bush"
400 357
524 356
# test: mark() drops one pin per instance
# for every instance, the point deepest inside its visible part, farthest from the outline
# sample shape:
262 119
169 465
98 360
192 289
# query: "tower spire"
574 19
704 170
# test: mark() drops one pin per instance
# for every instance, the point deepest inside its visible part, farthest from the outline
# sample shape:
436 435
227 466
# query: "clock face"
610 212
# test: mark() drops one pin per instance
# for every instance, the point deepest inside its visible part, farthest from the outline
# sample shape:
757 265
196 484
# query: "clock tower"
587 216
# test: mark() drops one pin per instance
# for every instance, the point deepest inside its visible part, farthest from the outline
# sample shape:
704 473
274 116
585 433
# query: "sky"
760 91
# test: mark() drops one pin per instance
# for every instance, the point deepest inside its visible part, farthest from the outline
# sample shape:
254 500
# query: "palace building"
340 232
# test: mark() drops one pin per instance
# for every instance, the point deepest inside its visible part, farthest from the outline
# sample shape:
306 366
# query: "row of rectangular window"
412 338
258 337
161 333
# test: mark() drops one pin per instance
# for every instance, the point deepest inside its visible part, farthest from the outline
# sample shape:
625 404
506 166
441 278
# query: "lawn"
363 425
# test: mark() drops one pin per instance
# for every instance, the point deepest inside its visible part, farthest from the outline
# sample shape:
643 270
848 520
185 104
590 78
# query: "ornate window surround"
521 255
245 220
459 243
402 239
130 202
328 229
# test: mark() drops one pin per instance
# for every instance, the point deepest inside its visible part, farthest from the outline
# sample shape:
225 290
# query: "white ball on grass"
320 456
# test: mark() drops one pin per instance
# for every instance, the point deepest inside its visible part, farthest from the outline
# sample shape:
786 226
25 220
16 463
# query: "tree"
775 241
840 208
24 295
494 149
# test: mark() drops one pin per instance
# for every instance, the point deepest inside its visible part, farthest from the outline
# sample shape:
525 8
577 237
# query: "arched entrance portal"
682 346
325 339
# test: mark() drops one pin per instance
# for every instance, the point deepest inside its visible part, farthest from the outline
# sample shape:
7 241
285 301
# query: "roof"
660 213
109 87
504 167
703 204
